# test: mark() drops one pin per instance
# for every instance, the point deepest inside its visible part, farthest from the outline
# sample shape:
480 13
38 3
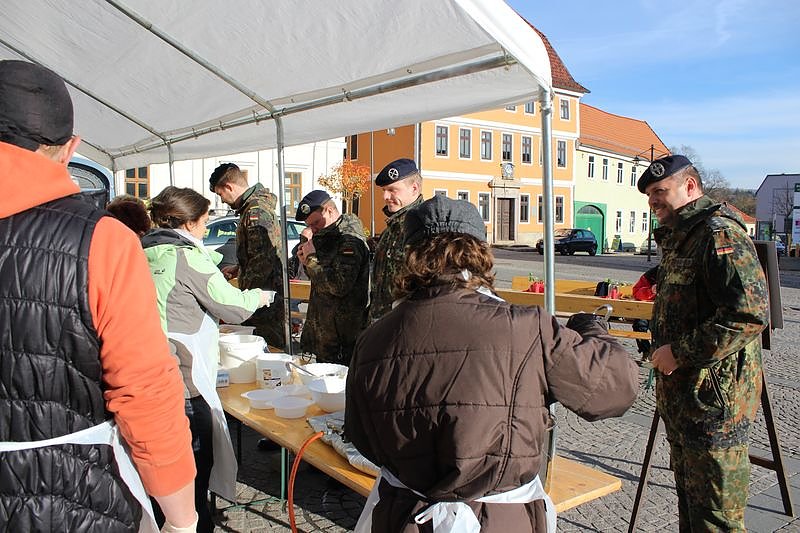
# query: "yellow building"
463 157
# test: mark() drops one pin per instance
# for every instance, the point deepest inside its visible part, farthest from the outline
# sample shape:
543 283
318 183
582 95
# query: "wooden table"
571 483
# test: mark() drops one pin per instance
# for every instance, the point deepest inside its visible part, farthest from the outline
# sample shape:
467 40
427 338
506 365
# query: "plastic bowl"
320 370
296 390
291 406
262 398
328 393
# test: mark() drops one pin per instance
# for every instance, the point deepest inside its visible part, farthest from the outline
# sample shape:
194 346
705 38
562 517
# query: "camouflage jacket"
710 306
389 257
259 249
337 306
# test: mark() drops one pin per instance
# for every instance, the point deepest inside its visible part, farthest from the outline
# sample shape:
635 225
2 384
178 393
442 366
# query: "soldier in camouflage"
402 191
259 248
709 311
336 260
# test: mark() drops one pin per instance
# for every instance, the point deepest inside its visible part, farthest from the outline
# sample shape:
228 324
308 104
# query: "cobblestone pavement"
614 446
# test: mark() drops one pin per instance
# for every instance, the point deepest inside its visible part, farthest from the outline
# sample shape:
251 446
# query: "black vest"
51 378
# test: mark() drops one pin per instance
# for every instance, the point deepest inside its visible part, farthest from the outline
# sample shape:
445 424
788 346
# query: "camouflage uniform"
259 250
389 257
711 306
337 307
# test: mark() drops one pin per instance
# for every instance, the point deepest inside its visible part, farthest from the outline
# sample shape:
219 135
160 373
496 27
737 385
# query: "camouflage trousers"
712 487
269 323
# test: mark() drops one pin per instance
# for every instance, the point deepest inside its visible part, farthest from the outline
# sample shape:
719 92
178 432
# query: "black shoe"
266 445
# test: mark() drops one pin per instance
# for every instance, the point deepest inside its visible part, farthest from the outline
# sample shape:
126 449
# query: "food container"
243 373
328 393
232 329
321 370
290 406
223 377
271 370
236 349
262 398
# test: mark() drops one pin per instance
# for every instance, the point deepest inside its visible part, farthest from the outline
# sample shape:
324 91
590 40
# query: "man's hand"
663 360
231 271
305 250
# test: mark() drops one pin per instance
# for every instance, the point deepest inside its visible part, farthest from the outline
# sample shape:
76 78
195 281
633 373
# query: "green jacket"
337 306
193 295
710 306
259 251
389 257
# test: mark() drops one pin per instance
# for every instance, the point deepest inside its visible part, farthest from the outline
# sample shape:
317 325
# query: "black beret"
395 171
441 214
218 173
310 201
660 169
35 106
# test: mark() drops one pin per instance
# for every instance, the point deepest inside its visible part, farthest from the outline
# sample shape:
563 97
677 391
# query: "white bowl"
262 398
296 390
328 393
320 370
290 406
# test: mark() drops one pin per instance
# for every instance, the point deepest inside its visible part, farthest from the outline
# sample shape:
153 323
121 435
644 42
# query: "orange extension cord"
295 464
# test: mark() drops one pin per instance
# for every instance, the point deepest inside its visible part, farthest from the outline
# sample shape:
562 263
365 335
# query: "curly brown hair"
132 212
440 261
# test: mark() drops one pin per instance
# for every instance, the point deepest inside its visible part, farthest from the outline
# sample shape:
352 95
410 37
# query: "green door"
592 218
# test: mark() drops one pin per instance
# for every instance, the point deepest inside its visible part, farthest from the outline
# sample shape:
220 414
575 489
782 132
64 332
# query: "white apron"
105 433
458 517
223 473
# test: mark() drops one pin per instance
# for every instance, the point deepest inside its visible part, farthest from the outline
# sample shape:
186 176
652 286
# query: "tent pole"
547 198
287 323
372 184
171 164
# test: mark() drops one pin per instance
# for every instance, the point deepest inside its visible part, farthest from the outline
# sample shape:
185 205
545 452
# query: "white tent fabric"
204 76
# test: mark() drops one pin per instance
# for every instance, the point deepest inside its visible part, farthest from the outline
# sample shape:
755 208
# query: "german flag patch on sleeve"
348 251
722 243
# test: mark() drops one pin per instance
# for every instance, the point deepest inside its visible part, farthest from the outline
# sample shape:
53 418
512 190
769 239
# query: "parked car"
569 241
780 248
653 248
221 236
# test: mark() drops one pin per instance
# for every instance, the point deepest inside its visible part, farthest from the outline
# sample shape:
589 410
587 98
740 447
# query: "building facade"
775 206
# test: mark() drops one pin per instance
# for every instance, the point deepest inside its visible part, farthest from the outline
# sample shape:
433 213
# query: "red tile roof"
562 79
618 134
745 217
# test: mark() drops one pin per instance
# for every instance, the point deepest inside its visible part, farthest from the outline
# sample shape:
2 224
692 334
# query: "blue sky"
720 76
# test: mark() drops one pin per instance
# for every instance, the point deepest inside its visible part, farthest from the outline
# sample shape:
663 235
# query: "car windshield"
561 233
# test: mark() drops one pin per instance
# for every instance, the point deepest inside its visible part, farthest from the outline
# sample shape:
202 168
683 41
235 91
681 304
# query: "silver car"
221 236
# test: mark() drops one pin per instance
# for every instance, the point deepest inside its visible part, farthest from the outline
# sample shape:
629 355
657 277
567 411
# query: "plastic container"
320 370
271 371
243 373
296 390
290 406
237 349
328 393
262 398
233 329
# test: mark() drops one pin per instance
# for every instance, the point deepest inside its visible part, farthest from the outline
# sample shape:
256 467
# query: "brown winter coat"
450 392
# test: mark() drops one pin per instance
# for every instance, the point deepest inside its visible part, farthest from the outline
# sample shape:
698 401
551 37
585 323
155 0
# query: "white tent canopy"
204 76
159 81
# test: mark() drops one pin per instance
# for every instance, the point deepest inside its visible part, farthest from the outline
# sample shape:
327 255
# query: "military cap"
218 173
311 201
35 106
441 214
396 171
660 169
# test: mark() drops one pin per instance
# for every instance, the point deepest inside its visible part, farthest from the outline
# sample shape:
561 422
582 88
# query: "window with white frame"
441 140
508 143
465 143
483 205
462 195
486 145
605 169
619 173
633 176
440 192
530 107
524 207
618 222
591 167
632 222
564 106
511 108
645 217
539 209
527 150
559 210
561 153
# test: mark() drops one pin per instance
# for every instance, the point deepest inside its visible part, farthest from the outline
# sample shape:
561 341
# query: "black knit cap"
661 169
35 106
441 214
